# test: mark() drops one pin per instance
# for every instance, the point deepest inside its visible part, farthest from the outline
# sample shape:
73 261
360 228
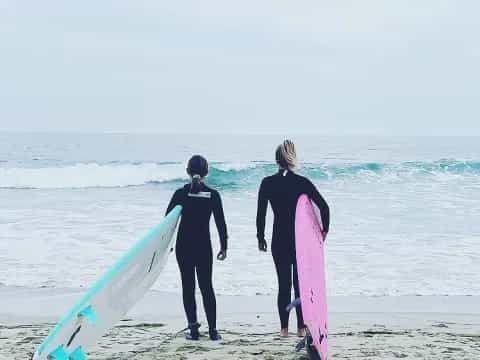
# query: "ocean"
405 210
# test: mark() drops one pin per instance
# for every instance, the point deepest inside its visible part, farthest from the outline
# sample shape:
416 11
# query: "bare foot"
284 332
301 332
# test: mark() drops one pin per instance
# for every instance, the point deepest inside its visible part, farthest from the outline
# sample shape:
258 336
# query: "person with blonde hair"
282 191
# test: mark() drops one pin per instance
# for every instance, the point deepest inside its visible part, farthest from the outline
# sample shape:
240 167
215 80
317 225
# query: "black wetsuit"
194 247
282 190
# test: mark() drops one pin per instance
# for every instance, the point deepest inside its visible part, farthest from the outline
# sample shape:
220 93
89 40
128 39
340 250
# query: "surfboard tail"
311 275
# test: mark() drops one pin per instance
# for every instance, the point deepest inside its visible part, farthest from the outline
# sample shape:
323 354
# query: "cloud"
335 66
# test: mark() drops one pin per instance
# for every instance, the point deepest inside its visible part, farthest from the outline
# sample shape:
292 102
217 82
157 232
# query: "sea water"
405 211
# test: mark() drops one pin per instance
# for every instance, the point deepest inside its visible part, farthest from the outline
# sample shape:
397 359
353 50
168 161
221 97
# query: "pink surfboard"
309 244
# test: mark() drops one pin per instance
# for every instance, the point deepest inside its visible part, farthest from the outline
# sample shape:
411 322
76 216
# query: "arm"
322 205
220 221
173 202
261 212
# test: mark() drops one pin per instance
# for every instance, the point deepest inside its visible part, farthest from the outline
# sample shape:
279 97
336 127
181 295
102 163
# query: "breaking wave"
225 175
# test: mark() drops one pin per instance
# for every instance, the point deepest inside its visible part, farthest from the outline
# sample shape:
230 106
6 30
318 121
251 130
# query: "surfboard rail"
309 243
83 309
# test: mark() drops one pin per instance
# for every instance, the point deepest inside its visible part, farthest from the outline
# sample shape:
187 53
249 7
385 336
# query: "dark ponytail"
197 169
195 185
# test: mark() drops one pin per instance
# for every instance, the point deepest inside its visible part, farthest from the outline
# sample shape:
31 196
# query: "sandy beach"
360 327
395 267
110 111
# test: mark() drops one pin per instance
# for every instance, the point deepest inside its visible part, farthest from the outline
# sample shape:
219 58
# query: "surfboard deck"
309 243
112 295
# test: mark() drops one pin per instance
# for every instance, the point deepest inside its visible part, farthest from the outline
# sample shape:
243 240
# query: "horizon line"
219 133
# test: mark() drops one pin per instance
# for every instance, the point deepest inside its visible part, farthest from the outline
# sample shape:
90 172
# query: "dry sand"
360 328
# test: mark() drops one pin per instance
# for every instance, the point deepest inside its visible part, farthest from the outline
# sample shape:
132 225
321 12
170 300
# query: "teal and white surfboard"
112 295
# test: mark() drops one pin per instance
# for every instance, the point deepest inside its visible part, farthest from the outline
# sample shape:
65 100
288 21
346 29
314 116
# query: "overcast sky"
339 66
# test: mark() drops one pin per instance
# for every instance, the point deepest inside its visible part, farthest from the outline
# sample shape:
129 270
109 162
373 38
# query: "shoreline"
40 305
351 336
446 327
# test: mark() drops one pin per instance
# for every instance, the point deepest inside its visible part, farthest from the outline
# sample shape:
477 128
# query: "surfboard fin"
78 354
88 314
295 303
301 345
58 354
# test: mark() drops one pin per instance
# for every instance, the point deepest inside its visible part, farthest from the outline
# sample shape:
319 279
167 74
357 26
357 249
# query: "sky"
333 67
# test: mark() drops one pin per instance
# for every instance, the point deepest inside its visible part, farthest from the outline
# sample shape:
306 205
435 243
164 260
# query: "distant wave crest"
225 175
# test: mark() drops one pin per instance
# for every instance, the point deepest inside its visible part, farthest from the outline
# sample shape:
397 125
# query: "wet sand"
360 328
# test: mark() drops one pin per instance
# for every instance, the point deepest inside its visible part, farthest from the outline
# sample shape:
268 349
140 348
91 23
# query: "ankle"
193 334
194 326
214 335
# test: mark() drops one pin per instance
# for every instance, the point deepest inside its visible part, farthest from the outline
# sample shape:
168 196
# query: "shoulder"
268 179
298 177
303 180
214 193
182 190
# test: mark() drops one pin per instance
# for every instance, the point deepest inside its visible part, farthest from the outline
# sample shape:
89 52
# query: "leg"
284 274
187 272
204 274
300 323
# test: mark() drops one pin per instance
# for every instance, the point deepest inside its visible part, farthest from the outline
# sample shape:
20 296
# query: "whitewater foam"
225 175
90 175
404 215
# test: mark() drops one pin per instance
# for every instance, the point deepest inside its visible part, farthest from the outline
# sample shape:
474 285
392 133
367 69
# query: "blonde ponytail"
286 155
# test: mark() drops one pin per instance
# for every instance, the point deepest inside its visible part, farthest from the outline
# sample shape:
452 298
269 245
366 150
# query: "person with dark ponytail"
282 191
194 247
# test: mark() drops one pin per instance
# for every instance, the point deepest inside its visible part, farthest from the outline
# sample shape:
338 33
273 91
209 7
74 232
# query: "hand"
222 255
324 234
262 245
